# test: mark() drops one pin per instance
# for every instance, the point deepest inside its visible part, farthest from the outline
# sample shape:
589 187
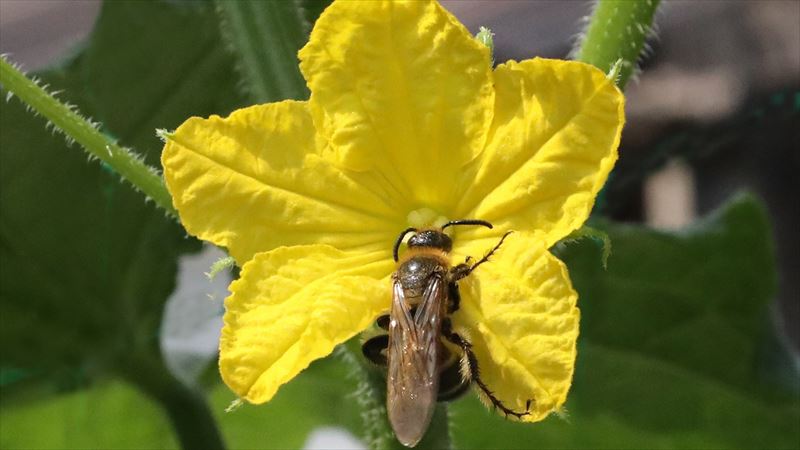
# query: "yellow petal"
403 88
293 305
553 142
519 312
254 180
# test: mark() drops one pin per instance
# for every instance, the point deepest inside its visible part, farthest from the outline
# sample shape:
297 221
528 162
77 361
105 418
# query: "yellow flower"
407 125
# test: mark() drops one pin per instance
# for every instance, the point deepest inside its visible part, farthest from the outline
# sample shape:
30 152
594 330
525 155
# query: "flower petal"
293 305
401 87
518 311
553 142
254 180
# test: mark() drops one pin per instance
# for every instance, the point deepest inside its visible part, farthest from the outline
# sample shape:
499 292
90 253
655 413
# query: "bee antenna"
482 223
399 241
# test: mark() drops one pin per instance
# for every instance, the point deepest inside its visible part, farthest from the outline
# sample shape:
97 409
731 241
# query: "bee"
427 361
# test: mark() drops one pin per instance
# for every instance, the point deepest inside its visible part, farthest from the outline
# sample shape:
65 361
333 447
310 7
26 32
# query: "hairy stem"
371 395
75 127
265 36
617 31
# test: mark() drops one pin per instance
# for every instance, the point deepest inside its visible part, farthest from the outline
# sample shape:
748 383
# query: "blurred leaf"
87 265
670 354
111 415
322 395
114 415
312 9
153 65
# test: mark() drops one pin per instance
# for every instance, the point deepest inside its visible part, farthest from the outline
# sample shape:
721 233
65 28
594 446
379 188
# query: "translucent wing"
413 351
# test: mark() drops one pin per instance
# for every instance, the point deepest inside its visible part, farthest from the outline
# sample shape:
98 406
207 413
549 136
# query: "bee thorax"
414 273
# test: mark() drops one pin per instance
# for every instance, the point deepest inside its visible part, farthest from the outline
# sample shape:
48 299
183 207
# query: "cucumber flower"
407 126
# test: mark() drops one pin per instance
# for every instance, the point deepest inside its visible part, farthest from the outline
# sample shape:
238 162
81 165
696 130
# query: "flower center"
425 218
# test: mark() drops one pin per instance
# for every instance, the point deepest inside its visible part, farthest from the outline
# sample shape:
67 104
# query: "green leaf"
312 9
322 395
675 341
152 65
86 265
66 119
113 415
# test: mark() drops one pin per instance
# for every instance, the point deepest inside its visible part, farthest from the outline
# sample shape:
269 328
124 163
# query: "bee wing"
413 355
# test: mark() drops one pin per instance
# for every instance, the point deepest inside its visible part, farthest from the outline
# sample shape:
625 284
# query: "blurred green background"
688 340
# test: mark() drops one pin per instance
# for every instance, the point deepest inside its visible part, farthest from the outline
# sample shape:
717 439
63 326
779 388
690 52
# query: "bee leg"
452 384
383 322
472 371
453 296
374 349
463 270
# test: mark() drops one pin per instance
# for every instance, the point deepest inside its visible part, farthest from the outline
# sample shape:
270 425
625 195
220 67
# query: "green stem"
266 35
371 397
617 31
186 408
126 163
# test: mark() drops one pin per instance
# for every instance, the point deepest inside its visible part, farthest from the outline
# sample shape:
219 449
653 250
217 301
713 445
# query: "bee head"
431 238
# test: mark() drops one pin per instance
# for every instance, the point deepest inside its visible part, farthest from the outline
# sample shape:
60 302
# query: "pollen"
426 218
